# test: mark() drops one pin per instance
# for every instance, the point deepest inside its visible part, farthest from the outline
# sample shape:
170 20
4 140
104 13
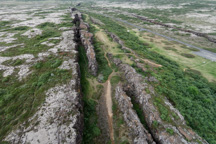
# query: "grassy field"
176 52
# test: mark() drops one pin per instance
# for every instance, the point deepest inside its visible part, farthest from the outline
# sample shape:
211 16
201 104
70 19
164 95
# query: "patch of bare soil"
108 100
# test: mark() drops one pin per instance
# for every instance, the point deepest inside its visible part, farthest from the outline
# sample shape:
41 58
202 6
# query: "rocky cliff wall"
139 133
136 87
86 40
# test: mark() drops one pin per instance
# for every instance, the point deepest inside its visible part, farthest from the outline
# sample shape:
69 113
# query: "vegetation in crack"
90 97
103 68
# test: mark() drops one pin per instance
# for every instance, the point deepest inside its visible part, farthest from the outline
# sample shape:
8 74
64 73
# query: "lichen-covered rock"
86 39
139 133
136 86
57 121
33 32
60 118
7 37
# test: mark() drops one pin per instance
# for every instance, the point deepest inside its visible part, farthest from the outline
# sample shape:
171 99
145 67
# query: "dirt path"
108 100
107 85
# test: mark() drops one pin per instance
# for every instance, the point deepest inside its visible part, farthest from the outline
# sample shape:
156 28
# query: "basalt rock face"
139 133
136 86
86 40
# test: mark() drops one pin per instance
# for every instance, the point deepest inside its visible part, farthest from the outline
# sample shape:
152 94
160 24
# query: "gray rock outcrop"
136 87
60 118
86 40
139 133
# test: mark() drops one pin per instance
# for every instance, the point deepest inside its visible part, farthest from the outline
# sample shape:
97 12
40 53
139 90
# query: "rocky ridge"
60 118
82 29
96 21
136 87
139 133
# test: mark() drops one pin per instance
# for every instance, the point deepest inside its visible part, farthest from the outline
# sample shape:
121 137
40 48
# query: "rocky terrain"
86 40
60 118
73 75
140 134
136 87
52 123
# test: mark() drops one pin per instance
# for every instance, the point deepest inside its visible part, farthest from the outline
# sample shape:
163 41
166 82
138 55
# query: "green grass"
91 129
19 100
188 55
21 28
103 67
211 49
46 24
197 108
189 48
33 45
165 113
5 24
14 62
115 79
170 131
155 124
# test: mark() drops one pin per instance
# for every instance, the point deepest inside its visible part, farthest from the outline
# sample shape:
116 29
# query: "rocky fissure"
136 86
140 134
49 101
82 31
